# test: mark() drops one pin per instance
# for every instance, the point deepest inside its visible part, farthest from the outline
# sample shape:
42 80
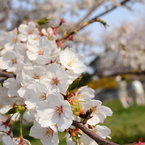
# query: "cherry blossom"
99 112
72 61
34 93
42 89
55 78
26 30
7 140
102 131
9 61
85 93
47 135
55 111
13 86
32 74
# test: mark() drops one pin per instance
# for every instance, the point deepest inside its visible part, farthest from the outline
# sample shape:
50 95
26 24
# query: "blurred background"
115 54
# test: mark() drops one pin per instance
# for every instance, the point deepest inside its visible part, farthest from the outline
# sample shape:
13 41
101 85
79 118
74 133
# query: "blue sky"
116 17
121 15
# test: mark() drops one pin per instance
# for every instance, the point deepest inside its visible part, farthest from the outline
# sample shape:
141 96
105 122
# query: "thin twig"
92 135
81 27
5 75
114 7
87 15
121 73
101 75
96 17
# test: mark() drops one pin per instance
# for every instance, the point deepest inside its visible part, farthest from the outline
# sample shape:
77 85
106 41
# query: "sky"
121 15
114 18
117 17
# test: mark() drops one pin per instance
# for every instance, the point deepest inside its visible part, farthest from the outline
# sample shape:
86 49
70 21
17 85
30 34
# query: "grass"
127 125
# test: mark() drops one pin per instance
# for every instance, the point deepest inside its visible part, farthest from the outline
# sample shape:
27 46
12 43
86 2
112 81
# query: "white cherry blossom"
21 48
85 93
99 112
13 85
32 74
4 129
26 30
47 135
9 61
49 33
102 131
43 73
55 78
7 140
6 102
43 52
55 111
18 141
11 40
34 93
72 61
33 39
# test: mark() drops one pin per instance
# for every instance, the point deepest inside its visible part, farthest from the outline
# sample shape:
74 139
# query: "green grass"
127 125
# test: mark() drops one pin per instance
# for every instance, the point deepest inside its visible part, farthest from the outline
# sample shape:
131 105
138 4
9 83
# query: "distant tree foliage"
124 49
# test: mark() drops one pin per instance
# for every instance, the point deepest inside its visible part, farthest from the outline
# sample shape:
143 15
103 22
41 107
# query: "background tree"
124 50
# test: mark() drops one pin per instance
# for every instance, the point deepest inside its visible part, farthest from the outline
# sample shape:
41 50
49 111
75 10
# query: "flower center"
36 76
59 109
94 110
42 97
13 61
55 81
49 132
14 40
70 63
40 52
30 31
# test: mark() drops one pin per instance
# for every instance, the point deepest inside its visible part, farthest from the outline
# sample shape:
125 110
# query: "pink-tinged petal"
23 28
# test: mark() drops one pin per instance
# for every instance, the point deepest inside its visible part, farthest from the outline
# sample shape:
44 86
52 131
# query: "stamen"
40 52
59 109
55 81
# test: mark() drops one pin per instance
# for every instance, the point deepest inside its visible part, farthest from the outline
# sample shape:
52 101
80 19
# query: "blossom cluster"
119 43
43 90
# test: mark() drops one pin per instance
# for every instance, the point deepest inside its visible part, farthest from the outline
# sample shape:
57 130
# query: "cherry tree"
42 74
124 50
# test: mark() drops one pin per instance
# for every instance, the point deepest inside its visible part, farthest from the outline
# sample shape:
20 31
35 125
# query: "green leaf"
16 109
42 21
75 83
102 22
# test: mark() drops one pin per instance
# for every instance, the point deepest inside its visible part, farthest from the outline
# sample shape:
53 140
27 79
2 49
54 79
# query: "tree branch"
114 7
5 75
95 137
92 20
87 15
100 74
81 27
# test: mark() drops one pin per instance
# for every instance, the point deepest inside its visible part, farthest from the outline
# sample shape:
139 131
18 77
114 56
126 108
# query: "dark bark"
92 135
